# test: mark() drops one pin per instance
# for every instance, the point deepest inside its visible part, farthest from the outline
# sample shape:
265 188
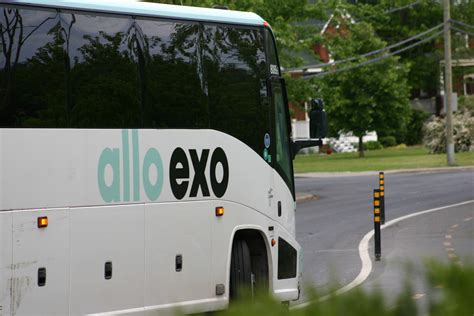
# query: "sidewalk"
372 173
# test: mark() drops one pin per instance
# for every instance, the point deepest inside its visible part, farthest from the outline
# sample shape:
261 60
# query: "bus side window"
31 69
283 161
287 263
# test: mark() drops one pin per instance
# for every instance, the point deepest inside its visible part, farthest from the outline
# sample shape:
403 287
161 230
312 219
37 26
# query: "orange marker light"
376 194
273 242
376 203
42 222
219 211
377 219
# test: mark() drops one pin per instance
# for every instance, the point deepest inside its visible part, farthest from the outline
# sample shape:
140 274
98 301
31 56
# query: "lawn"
378 160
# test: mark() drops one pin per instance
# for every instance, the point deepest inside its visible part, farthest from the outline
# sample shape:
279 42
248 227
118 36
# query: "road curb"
371 173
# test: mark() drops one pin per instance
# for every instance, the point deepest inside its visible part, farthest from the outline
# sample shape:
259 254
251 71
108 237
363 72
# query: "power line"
463 24
371 61
374 60
402 8
389 11
462 31
370 53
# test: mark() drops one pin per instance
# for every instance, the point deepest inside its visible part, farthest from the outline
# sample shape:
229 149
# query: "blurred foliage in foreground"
450 293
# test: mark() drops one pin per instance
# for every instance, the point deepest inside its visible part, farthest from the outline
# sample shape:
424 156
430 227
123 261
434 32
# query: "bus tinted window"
79 70
167 56
287 263
102 82
234 65
273 65
32 70
282 149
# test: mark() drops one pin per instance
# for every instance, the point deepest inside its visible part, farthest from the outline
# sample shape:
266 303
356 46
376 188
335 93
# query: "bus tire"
240 270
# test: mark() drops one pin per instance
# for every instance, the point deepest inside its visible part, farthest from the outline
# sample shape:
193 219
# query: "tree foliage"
368 98
396 20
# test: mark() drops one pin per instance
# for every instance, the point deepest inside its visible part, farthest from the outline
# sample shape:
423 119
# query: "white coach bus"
145 159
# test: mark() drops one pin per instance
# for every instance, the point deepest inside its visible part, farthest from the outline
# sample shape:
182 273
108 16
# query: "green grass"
378 160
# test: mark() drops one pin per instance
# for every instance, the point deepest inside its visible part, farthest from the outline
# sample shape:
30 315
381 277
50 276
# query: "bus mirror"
318 123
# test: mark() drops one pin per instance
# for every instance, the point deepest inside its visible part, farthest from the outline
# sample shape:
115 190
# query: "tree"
372 97
396 20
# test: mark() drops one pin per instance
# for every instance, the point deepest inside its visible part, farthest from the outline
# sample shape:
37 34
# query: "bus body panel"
6 243
106 234
36 248
178 229
141 238
288 205
80 166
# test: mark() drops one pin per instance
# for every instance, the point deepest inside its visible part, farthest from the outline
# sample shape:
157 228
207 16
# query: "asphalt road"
330 227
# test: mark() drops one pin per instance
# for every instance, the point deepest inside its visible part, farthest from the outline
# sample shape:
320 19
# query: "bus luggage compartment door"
40 265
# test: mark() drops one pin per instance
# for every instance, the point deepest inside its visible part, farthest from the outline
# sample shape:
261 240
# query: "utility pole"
448 84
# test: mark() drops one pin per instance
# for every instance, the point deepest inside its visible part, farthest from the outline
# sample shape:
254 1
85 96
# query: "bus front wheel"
241 278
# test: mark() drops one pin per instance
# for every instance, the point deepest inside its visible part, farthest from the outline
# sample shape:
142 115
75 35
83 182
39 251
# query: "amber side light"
219 211
43 222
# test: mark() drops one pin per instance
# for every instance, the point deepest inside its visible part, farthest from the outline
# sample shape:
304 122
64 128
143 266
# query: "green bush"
388 141
372 145
414 132
466 102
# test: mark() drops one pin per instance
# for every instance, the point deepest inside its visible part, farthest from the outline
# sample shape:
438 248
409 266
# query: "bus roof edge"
149 9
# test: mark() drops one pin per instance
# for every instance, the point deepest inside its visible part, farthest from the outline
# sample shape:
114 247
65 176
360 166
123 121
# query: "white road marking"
447 244
365 257
455 226
467 219
448 236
